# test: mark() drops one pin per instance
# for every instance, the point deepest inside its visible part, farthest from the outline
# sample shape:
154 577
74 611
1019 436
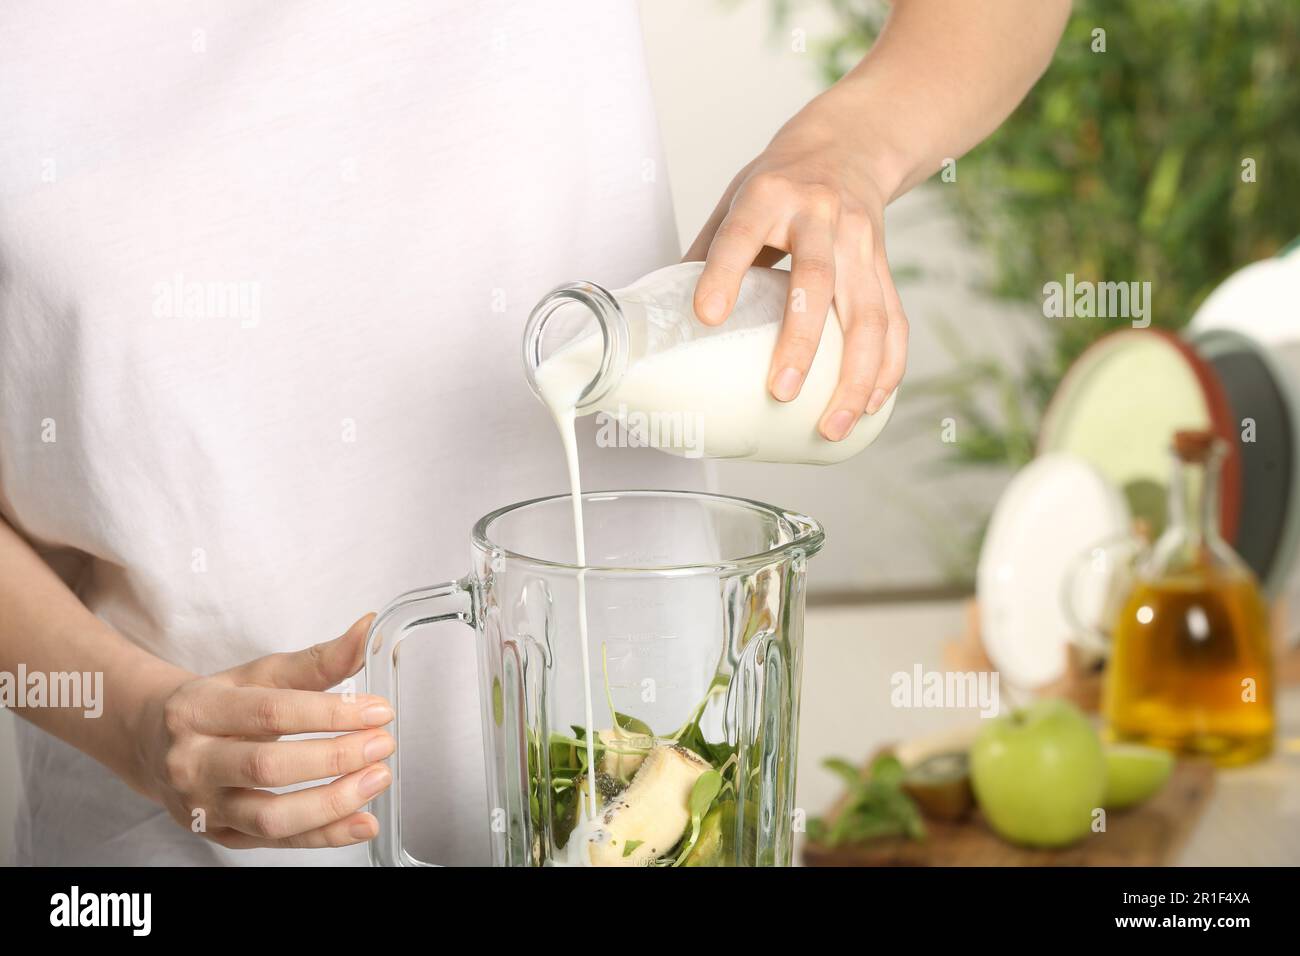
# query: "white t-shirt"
264 269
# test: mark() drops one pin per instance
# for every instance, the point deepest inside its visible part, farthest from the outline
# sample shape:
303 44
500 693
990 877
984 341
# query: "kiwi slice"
941 786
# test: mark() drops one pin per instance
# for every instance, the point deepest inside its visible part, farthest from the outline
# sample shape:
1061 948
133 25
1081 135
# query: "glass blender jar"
695 609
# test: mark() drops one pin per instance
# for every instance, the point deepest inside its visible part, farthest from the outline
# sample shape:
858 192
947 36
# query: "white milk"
560 398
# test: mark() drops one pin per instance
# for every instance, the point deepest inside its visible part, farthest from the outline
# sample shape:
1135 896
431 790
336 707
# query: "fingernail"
786 386
839 425
373 782
378 748
714 304
875 401
376 715
361 830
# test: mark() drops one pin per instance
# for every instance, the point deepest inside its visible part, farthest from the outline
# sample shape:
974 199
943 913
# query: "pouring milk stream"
640 356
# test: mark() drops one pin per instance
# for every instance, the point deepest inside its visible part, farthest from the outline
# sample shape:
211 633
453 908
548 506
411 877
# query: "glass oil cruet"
1191 668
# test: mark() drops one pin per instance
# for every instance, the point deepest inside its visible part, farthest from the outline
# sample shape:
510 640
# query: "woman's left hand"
813 193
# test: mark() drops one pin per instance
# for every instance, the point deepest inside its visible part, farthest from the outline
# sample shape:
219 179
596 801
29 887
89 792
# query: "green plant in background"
1122 165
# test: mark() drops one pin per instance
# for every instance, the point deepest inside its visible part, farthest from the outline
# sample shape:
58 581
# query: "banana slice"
647 819
607 787
632 749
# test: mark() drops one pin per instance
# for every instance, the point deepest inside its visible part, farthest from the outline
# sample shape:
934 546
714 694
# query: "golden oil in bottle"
1191 667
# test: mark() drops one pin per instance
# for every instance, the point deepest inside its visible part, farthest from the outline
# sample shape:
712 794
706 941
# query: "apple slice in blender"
648 819
711 848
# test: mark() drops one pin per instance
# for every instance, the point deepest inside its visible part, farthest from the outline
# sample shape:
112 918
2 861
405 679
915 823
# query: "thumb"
318 667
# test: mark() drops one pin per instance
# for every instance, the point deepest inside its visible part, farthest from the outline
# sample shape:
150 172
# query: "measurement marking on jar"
640 637
636 604
647 652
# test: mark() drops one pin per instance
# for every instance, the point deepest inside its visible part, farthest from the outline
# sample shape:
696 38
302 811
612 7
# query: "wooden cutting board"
1146 835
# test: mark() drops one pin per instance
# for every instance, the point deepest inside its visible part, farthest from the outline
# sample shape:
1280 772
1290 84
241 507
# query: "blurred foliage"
1123 165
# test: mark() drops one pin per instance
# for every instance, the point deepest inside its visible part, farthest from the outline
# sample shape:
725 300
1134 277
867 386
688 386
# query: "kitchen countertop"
1253 817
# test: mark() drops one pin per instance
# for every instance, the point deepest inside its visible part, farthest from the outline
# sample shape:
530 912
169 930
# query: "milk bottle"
642 357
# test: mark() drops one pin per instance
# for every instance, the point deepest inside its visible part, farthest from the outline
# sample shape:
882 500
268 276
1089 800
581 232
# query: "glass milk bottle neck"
567 317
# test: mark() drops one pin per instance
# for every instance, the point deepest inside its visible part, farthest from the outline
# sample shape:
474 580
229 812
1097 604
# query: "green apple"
1134 773
1039 773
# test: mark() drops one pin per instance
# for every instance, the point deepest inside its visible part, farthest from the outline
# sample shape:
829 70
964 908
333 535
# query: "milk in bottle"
641 356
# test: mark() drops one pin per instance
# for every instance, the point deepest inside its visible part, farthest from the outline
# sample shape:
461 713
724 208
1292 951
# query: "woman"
263 272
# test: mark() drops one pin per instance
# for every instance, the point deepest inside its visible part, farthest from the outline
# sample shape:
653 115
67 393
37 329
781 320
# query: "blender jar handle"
414 610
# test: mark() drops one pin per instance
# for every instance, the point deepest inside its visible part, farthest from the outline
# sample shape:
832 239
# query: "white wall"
724 83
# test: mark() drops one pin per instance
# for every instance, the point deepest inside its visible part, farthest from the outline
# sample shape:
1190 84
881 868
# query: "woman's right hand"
210 746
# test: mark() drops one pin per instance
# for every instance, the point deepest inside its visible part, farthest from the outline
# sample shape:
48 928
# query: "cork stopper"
1195 446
